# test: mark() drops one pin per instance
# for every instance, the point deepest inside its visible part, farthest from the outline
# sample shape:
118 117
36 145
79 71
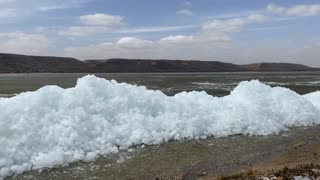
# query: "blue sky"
237 31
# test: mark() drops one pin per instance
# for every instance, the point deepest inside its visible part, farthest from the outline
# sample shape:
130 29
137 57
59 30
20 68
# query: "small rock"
301 178
203 173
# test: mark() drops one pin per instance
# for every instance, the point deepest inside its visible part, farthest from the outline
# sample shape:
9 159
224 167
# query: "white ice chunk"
55 126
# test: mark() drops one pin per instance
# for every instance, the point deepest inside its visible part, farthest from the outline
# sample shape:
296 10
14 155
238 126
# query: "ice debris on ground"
301 178
55 126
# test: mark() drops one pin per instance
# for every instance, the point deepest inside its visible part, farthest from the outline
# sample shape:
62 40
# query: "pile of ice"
54 126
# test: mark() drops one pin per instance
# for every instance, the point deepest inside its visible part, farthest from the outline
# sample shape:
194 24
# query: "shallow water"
217 84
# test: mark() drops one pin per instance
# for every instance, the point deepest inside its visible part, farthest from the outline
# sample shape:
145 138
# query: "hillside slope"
13 63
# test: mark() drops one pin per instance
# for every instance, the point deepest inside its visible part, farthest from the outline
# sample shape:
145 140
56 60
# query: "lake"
216 84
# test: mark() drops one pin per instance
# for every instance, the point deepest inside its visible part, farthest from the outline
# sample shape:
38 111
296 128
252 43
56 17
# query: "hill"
138 65
278 67
13 63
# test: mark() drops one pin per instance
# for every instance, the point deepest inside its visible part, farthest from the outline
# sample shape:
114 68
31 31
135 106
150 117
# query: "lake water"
217 84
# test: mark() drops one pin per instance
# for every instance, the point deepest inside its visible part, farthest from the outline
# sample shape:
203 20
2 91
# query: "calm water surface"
217 84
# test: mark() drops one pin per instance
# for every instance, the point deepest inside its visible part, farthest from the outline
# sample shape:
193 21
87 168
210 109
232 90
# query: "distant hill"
13 63
138 65
278 67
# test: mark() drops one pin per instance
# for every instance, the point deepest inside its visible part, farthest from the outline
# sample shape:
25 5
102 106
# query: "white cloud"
272 8
219 30
124 47
86 30
8 13
154 29
185 12
233 24
176 39
91 24
200 46
59 4
101 20
298 10
14 10
82 30
52 8
22 43
6 1
132 42
172 47
212 41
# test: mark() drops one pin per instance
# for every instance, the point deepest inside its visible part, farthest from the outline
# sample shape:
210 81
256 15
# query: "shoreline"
301 159
198 159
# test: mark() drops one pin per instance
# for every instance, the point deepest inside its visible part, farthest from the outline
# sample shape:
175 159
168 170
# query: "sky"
235 31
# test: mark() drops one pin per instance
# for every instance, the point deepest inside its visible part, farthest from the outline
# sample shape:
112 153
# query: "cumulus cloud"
132 42
101 20
185 12
91 24
24 43
212 41
298 10
209 42
176 39
180 47
129 47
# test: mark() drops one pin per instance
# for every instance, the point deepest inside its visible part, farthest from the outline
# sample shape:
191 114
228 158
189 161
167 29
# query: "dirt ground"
300 159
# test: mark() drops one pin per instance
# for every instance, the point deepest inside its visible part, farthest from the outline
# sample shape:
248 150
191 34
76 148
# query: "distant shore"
14 63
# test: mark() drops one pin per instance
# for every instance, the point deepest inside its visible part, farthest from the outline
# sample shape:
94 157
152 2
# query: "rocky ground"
303 172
